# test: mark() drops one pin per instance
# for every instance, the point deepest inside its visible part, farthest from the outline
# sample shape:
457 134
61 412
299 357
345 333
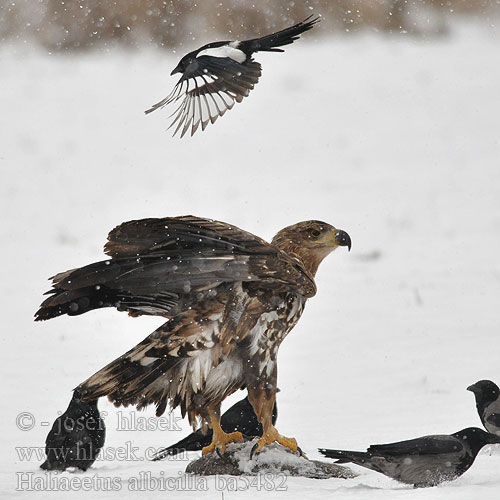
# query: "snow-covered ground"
395 140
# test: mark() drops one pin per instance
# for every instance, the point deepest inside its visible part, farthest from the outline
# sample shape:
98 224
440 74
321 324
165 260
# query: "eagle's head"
311 241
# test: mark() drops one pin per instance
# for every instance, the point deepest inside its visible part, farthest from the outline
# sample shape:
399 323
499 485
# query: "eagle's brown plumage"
230 299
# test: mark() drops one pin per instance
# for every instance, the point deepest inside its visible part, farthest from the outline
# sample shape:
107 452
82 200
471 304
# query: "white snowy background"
394 139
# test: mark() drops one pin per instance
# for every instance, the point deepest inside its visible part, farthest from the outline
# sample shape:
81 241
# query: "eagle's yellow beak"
336 238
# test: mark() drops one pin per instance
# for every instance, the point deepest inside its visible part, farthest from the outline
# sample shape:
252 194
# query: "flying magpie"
76 436
219 74
239 418
487 396
425 461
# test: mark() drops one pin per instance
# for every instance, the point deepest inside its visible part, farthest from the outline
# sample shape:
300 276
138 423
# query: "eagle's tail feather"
132 379
152 372
170 366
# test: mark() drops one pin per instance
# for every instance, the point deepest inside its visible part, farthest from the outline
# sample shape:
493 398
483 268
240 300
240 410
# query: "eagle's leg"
263 401
219 439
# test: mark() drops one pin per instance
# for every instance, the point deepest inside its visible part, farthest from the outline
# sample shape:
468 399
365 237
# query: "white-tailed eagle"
230 299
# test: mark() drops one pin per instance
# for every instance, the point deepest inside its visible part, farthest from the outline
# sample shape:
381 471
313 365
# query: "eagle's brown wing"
172 235
174 362
164 266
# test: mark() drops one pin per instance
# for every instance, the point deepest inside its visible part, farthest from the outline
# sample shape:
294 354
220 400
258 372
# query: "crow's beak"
473 388
342 239
493 439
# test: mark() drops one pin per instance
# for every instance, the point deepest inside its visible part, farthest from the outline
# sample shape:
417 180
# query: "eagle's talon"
300 452
272 435
220 440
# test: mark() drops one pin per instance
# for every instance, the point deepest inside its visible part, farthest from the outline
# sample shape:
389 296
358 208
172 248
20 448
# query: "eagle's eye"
315 233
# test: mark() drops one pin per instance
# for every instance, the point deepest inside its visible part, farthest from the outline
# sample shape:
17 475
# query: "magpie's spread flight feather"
219 74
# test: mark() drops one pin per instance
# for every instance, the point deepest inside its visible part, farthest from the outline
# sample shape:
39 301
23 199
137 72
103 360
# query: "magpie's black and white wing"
208 88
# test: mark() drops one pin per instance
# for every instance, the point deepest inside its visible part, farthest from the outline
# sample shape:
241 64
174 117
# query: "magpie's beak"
342 239
176 70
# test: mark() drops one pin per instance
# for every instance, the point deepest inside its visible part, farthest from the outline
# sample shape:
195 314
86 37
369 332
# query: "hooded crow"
487 396
239 418
76 436
219 74
425 461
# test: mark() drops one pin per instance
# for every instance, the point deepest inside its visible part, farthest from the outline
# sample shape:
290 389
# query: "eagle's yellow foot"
220 440
272 435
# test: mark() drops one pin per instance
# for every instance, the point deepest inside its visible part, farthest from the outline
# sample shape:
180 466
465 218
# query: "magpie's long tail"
284 37
344 456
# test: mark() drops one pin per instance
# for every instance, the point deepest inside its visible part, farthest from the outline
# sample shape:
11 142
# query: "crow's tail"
194 442
344 456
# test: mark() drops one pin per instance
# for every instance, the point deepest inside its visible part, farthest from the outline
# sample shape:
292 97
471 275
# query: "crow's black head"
475 438
485 392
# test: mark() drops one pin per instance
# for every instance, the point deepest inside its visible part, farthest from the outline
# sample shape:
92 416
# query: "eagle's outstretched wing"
184 233
163 266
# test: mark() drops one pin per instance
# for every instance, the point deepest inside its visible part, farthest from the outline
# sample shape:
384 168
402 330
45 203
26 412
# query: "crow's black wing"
241 417
208 88
427 445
